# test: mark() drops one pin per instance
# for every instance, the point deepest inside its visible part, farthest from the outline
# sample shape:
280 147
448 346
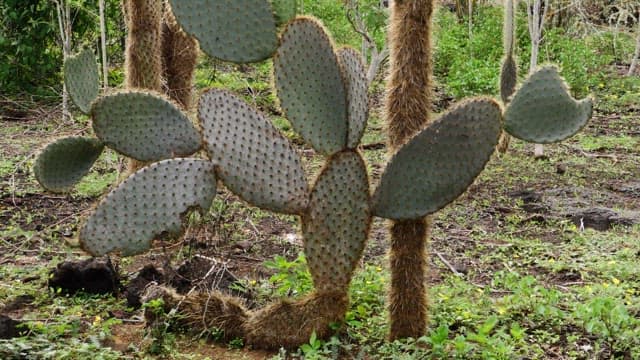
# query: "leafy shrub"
469 66
21 55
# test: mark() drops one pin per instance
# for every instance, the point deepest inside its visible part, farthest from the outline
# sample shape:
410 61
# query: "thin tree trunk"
103 46
536 26
636 54
407 107
63 9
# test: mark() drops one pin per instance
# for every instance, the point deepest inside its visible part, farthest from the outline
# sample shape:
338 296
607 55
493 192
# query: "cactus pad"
82 79
357 94
148 204
241 31
254 160
310 87
337 225
440 162
284 10
543 111
64 162
144 126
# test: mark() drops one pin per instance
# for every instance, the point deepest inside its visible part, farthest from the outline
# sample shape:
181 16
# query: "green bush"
472 66
30 49
29 57
469 66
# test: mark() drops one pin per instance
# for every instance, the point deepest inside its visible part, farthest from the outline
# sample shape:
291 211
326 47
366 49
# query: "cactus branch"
407 109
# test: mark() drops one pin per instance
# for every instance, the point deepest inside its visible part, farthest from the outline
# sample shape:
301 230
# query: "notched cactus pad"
148 204
284 10
144 126
357 94
310 86
65 162
337 225
82 79
439 163
255 161
543 111
241 31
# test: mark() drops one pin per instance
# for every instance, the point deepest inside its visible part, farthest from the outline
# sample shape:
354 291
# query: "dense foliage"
30 46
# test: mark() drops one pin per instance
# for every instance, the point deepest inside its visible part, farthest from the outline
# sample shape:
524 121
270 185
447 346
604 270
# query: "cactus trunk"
408 106
144 49
179 59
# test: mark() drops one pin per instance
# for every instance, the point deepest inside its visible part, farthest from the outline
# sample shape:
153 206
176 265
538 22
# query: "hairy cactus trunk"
509 71
179 58
144 49
408 106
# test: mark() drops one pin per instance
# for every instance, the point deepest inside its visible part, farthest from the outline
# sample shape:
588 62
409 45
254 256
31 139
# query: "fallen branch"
448 264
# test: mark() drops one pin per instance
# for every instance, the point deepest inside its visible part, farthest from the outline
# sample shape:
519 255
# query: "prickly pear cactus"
323 93
337 225
310 85
242 141
543 111
241 31
148 204
144 126
439 163
82 79
66 161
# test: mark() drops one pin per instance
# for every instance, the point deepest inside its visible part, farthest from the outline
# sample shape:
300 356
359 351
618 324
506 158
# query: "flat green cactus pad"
543 111
65 162
241 31
147 205
284 10
439 163
82 79
254 160
337 225
144 126
508 78
310 86
357 94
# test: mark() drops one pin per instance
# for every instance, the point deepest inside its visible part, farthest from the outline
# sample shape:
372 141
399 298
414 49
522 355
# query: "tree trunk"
103 47
407 107
63 9
536 26
636 54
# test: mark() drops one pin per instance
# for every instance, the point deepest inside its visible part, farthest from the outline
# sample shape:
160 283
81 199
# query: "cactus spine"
407 109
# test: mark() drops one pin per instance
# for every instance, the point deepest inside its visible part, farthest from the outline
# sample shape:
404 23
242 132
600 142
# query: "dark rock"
601 219
135 288
532 201
629 188
561 168
19 302
204 273
93 276
8 327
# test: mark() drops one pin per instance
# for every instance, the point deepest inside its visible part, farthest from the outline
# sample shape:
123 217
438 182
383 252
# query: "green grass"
602 142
